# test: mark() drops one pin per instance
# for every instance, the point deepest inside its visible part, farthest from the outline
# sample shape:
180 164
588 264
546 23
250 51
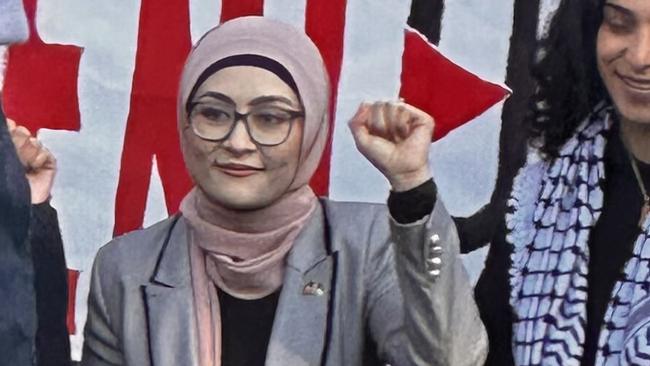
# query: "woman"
256 270
569 267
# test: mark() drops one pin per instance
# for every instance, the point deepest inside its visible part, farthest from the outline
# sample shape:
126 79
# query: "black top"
246 324
612 240
610 246
246 328
51 284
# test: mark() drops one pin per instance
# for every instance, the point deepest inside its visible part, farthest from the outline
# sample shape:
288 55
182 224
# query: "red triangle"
436 85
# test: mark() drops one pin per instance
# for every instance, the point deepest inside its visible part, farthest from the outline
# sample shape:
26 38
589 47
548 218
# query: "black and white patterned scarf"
552 210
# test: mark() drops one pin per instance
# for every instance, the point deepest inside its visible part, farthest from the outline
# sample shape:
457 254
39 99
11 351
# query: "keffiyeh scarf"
552 209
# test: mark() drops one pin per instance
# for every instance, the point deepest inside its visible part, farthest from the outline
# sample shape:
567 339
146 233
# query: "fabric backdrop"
98 80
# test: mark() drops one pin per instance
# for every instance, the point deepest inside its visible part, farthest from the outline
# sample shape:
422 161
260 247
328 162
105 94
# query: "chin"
244 205
238 198
242 194
635 114
640 121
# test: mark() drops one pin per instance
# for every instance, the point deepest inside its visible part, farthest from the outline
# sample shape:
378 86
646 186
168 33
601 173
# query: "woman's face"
238 172
623 53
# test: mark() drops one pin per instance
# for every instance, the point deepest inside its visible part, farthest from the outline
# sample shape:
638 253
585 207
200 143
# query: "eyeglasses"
266 125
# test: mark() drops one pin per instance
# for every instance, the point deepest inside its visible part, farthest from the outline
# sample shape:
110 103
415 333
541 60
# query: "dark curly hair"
568 85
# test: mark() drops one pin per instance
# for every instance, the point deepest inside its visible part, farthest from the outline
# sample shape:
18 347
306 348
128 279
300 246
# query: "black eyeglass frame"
244 118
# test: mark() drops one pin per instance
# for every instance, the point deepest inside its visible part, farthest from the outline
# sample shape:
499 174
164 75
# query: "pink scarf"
243 252
246 261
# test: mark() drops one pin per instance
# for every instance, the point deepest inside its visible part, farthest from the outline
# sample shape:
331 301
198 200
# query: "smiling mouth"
636 84
238 170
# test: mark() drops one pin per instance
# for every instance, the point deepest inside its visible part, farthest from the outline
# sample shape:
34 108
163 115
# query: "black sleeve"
14 191
51 282
17 295
481 228
412 205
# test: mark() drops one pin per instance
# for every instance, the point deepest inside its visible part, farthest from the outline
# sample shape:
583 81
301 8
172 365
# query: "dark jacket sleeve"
17 299
51 283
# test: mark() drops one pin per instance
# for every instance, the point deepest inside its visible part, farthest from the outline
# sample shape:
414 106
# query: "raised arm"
428 315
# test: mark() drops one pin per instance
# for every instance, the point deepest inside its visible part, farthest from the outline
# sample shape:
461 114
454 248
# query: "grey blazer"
354 277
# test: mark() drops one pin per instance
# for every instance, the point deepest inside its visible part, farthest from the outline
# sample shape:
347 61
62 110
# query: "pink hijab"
243 252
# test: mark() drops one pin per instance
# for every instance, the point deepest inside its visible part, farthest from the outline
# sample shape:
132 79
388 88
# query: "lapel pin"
313 289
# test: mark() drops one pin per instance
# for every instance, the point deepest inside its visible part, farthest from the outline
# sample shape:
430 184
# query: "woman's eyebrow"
270 99
218 96
619 8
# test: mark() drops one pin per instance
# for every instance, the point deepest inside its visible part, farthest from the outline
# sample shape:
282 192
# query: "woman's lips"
634 84
238 170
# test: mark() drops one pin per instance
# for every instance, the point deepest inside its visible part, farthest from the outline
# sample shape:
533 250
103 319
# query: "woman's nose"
239 139
638 53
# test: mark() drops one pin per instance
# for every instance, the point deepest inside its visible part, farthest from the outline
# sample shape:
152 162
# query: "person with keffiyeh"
567 276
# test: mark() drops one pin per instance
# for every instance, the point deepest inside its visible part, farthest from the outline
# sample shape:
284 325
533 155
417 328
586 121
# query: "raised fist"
39 163
395 137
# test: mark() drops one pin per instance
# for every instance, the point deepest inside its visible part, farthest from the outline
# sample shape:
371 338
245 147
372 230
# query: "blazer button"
432 257
434 273
433 264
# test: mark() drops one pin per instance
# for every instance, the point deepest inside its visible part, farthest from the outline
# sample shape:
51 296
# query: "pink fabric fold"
246 264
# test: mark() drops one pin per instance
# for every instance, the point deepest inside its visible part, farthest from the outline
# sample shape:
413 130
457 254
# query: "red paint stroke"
40 87
73 278
163 44
433 83
325 24
231 9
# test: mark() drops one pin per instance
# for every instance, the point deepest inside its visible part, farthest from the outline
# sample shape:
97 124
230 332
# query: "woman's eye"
215 114
618 23
619 27
270 117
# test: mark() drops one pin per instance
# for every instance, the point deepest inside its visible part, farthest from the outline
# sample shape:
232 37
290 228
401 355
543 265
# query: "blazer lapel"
302 325
170 305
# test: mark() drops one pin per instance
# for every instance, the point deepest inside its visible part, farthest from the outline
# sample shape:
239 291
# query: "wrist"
37 199
409 180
